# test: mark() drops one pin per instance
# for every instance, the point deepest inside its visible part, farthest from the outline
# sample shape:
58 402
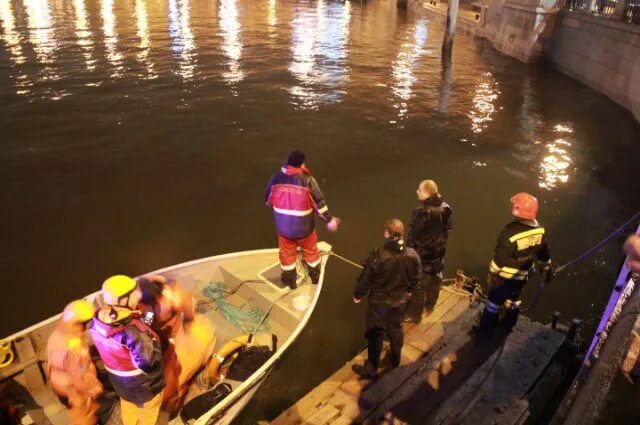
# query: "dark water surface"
136 134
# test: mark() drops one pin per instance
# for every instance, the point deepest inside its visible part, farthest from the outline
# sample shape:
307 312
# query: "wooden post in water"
450 28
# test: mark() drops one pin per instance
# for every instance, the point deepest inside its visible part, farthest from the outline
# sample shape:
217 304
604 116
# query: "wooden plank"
323 415
314 398
344 389
497 390
444 341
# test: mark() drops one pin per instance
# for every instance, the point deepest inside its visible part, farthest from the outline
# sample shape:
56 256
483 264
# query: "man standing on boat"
295 196
428 233
389 273
521 242
70 369
131 352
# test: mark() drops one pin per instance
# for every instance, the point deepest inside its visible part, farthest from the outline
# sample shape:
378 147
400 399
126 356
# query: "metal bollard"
573 330
554 319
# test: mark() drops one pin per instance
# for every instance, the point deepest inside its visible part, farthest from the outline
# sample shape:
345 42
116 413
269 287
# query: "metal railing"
604 7
632 12
608 8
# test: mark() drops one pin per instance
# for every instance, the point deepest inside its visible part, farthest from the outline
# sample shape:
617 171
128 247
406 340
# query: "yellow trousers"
147 414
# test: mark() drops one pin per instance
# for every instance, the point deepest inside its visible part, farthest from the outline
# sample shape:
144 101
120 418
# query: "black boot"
366 371
288 277
488 323
314 273
511 318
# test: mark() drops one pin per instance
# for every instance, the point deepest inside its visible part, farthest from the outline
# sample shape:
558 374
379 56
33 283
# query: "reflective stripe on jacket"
131 354
294 195
520 243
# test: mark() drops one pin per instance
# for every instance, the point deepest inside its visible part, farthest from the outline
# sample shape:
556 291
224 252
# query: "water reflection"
111 38
144 48
10 36
554 168
272 17
232 43
182 40
403 68
318 45
483 108
41 35
83 34
12 39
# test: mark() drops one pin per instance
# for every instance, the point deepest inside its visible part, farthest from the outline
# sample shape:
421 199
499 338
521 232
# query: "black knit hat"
149 291
296 158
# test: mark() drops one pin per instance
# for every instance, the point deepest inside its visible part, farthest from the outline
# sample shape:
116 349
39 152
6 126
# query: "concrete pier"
445 377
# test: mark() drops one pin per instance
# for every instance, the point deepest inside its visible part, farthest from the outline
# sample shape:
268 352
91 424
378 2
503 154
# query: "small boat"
240 293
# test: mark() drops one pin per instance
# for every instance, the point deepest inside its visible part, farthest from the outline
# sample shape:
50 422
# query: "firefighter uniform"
520 244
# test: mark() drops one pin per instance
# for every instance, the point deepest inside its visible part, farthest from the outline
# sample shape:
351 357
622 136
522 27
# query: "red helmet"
524 206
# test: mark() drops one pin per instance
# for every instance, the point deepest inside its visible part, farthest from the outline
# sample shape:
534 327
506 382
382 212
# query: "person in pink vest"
295 197
130 350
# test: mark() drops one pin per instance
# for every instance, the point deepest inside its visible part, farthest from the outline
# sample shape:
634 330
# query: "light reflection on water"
319 50
114 56
403 67
41 36
484 103
232 43
554 168
142 23
83 34
182 40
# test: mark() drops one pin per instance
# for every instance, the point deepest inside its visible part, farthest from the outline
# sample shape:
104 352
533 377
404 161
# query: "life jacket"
131 353
60 342
116 357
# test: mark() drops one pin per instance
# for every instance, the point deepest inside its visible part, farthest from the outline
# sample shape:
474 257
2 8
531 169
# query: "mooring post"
450 28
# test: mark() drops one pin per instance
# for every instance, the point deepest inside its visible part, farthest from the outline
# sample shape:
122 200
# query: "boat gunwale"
259 375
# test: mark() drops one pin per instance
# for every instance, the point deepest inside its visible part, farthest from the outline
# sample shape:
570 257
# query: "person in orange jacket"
71 371
167 303
188 337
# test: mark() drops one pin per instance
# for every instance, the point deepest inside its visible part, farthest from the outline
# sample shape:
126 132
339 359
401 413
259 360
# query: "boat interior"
239 294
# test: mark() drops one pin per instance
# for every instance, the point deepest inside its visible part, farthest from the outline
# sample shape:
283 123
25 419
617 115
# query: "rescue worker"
188 338
168 302
130 350
521 242
294 195
389 273
70 369
428 233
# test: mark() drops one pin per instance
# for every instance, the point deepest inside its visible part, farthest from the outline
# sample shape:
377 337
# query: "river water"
136 134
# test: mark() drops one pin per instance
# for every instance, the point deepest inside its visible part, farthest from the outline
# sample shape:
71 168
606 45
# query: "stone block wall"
602 53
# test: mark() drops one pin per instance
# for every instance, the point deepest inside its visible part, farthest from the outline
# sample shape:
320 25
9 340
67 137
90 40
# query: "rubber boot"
288 277
314 273
511 316
488 323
